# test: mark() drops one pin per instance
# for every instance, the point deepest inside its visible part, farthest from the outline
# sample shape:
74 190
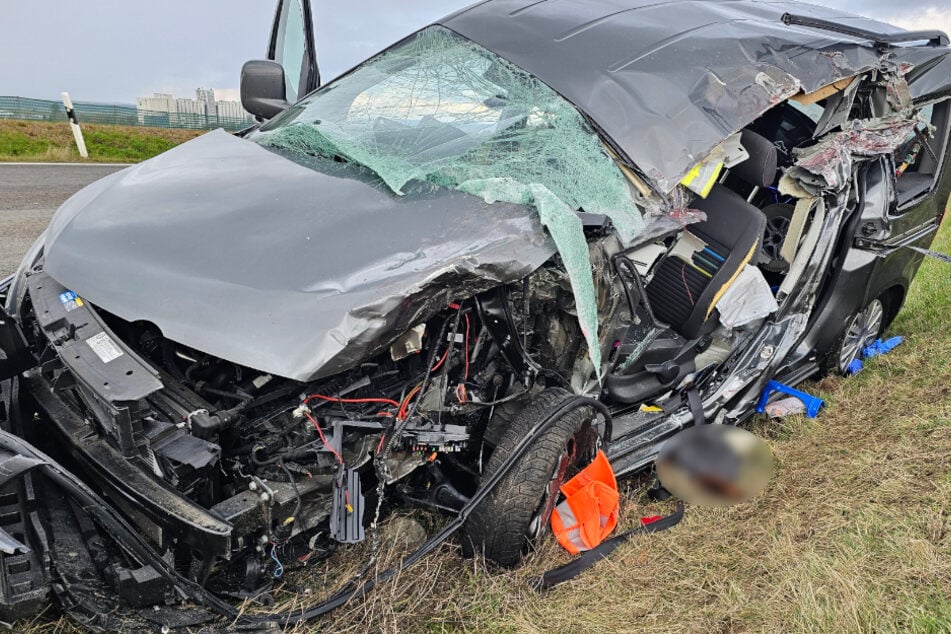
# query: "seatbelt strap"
796 225
696 406
932 254
588 558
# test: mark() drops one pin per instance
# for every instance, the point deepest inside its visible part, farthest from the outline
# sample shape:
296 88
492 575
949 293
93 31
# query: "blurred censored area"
715 465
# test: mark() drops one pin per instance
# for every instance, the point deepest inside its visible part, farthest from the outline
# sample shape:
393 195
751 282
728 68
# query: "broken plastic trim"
934 37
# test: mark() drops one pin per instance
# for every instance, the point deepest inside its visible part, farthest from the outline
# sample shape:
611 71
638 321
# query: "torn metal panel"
295 271
669 82
838 108
828 164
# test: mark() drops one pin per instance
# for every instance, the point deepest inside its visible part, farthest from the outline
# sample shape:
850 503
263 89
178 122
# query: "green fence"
45 110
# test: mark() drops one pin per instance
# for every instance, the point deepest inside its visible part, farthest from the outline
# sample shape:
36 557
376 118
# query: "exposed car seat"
690 281
683 292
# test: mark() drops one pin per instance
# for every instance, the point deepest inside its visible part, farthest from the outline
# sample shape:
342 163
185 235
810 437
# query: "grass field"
853 534
53 142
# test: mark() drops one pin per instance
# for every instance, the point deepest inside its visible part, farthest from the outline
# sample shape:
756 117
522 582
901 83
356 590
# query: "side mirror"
262 88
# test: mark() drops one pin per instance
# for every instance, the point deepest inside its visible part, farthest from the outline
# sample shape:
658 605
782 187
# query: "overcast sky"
116 50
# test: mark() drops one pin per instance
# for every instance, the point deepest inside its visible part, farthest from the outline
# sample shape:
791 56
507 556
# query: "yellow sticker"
702 178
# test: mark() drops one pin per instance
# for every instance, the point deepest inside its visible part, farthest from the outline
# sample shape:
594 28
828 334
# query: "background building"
165 109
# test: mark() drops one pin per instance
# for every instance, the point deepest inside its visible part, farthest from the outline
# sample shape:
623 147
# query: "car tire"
516 513
861 330
778 218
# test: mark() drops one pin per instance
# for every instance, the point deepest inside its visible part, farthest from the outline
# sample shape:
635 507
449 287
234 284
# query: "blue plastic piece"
813 404
855 367
881 347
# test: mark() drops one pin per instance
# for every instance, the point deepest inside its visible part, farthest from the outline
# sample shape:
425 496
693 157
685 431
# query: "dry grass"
43 141
853 535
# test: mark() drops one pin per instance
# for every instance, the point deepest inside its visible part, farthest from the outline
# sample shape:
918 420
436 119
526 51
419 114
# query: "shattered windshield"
441 109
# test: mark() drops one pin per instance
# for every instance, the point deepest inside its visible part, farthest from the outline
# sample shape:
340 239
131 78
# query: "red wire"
445 354
323 439
466 346
405 406
333 399
440 362
683 276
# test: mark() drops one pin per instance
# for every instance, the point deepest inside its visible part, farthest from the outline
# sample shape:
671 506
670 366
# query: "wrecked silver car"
446 279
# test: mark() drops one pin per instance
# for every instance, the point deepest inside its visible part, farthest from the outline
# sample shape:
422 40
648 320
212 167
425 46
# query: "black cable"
243 398
290 478
397 431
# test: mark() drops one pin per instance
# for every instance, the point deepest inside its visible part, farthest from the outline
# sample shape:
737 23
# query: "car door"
292 46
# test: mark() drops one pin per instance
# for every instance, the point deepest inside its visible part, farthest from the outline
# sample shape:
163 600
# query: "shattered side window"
441 109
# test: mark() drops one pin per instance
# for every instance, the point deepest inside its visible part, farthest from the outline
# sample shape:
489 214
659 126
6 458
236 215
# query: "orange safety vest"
590 510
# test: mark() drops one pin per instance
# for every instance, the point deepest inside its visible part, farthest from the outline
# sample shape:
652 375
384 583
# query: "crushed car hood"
298 271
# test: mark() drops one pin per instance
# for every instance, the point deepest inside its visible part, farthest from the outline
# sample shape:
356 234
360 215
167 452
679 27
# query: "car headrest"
760 168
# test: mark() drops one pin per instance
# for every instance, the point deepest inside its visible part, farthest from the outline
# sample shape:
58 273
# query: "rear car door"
292 46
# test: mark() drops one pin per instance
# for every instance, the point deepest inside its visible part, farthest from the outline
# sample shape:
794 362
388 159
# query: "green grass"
53 142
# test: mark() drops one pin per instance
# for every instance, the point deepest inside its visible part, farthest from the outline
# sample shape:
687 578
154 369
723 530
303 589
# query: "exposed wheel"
517 511
778 218
861 330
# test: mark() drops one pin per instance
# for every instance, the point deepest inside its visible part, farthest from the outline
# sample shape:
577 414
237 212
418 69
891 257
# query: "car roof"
669 80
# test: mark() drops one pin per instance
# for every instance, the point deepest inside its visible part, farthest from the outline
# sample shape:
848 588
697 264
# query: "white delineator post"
74 124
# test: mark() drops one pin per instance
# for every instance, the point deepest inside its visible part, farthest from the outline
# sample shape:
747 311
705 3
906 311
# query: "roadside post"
74 124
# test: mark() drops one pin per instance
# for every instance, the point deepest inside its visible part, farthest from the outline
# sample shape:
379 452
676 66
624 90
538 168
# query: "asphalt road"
29 194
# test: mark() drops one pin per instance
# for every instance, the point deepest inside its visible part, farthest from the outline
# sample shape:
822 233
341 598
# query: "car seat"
687 286
689 282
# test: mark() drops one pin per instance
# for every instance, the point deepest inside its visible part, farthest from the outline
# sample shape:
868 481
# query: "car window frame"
309 75
941 119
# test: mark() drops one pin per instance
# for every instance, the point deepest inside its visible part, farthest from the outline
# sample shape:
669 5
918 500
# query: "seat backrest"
687 285
759 169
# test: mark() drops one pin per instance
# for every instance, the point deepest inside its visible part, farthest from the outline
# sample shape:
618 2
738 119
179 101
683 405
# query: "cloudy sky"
116 50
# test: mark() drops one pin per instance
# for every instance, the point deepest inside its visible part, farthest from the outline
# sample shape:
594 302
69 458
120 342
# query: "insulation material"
749 298
443 110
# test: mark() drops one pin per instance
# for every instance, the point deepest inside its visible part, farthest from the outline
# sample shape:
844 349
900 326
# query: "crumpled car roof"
668 81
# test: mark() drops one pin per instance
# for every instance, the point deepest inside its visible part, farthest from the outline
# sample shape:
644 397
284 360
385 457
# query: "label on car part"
71 301
104 347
